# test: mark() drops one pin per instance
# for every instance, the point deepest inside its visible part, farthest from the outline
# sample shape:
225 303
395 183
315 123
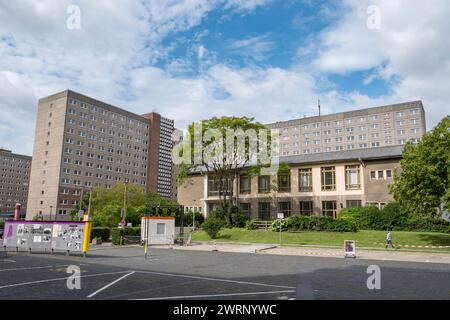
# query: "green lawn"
364 238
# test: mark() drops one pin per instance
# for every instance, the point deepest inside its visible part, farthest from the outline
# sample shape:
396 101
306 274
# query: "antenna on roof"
318 105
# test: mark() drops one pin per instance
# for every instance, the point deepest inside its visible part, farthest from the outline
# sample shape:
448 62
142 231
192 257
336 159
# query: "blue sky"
192 59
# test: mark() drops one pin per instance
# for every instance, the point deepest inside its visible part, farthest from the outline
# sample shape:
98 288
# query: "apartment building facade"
315 184
360 129
83 143
14 181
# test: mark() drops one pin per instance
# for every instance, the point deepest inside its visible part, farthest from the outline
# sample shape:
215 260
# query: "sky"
194 59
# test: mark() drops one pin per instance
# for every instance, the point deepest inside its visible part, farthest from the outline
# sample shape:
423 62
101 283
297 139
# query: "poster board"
47 236
28 234
350 248
68 236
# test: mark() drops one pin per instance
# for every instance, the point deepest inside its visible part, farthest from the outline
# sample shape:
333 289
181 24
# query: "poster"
350 248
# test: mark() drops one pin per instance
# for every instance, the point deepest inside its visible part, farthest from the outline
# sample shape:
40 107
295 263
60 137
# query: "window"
388 174
161 228
284 207
353 203
264 210
263 184
246 209
215 185
306 208
381 174
244 184
284 182
328 178
352 177
305 180
329 208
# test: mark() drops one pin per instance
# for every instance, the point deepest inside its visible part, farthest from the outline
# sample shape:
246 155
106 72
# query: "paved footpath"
387 255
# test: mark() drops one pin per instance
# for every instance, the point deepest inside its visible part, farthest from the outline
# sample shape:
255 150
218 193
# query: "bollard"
215 246
146 248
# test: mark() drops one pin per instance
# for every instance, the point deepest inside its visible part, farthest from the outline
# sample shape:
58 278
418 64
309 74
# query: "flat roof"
76 95
9 153
391 152
348 114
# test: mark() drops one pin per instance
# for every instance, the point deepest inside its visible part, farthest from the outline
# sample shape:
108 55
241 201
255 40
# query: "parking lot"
173 274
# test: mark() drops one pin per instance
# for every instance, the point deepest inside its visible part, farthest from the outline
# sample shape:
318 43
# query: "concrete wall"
193 189
47 154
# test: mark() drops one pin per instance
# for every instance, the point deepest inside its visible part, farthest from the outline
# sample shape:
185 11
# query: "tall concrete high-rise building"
83 143
360 129
160 151
14 181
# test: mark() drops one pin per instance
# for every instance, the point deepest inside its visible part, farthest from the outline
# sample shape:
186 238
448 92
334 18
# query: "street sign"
350 248
280 215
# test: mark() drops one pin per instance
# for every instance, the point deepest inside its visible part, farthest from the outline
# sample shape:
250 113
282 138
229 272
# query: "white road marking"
29 268
216 279
7 261
219 295
110 284
32 268
58 279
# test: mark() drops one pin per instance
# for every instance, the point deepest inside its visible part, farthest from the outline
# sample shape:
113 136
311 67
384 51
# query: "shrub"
238 220
364 217
212 226
428 224
314 223
218 213
99 232
251 225
116 234
392 218
199 218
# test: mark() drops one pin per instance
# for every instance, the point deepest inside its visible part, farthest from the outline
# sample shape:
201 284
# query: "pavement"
273 249
181 273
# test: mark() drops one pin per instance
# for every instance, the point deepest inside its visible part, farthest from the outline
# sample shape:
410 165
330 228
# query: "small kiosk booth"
158 230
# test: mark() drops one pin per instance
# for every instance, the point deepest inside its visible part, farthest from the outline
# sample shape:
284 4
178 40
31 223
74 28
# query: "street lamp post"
124 210
146 232
89 206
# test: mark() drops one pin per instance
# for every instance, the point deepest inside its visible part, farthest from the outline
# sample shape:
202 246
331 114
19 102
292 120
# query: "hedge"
314 223
100 232
391 218
117 233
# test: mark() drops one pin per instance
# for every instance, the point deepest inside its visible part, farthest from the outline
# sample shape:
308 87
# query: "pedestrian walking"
389 240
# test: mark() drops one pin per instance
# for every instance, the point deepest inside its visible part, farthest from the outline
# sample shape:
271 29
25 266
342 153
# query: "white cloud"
112 58
412 44
245 5
257 47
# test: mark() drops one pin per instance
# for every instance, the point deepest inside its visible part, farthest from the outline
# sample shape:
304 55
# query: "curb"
415 246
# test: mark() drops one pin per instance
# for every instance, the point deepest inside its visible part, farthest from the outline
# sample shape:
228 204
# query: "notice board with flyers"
47 236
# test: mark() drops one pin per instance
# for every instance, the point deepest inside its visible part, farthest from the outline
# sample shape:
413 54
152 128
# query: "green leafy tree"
422 184
226 154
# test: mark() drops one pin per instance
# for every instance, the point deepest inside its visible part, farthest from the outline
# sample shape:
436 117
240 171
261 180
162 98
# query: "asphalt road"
178 274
